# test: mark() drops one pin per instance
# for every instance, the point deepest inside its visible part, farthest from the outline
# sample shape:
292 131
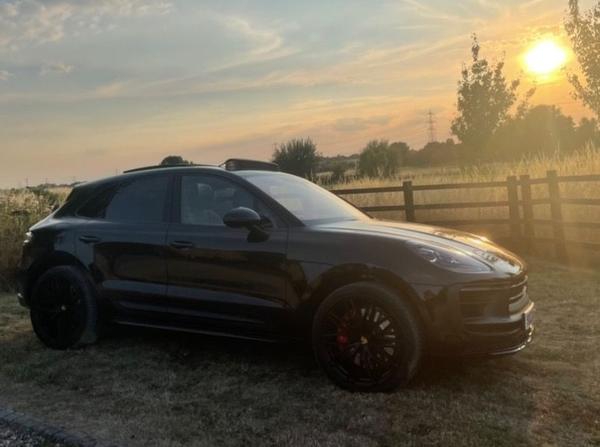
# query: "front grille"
493 300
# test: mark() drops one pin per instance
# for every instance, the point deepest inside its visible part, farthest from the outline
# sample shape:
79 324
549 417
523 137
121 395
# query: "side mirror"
243 217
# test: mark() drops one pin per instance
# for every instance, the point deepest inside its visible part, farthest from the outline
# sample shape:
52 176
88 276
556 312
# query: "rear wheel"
63 308
367 338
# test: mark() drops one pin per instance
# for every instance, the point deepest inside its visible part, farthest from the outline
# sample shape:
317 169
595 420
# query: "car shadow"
192 350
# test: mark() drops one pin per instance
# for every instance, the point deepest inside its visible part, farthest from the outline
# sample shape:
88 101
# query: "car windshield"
308 202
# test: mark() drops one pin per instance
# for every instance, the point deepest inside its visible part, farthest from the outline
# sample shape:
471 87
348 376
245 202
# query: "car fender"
322 279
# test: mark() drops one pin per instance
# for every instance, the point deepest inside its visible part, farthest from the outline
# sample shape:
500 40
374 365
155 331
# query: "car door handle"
182 244
89 239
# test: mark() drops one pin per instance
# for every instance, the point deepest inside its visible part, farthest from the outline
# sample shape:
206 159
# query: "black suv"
245 251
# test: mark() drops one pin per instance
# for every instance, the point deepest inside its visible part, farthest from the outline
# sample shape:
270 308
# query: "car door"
123 243
220 279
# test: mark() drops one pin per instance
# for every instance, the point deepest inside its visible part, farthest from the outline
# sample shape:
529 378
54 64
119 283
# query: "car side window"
140 200
205 200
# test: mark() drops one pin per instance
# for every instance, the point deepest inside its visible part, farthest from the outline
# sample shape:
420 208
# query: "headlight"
28 238
449 258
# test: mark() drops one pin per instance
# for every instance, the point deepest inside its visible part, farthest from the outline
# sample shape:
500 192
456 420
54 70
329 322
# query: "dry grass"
583 162
148 388
19 209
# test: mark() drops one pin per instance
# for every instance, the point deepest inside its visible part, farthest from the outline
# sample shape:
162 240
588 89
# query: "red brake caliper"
342 335
342 339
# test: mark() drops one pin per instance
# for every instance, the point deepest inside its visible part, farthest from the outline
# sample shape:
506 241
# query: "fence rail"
520 203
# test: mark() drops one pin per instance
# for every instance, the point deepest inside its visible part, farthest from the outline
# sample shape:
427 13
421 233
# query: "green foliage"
329 164
541 130
175 160
484 100
298 156
381 159
338 174
398 152
435 153
584 32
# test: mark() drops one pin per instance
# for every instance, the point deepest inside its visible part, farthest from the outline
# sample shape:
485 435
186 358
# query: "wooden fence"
521 217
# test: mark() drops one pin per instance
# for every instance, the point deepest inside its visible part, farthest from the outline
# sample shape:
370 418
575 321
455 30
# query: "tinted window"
305 200
141 200
205 199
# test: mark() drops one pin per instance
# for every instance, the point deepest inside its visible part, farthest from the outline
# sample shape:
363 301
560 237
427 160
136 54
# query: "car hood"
485 250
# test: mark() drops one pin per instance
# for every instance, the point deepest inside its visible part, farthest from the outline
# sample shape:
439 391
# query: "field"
146 388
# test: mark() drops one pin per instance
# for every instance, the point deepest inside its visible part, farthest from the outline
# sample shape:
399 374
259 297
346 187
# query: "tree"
584 32
398 153
297 156
338 174
542 129
434 153
174 160
484 100
588 132
381 159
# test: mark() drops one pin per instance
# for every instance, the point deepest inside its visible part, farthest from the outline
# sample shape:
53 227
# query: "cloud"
33 22
110 90
436 13
57 68
4 75
261 43
356 124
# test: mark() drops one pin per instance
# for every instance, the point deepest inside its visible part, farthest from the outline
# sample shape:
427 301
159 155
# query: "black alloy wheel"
63 308
367 338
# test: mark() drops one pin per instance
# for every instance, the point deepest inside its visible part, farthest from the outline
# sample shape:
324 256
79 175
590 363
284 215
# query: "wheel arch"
340 276
42 265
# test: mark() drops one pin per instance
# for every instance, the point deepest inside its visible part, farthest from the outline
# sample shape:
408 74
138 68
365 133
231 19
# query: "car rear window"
140 200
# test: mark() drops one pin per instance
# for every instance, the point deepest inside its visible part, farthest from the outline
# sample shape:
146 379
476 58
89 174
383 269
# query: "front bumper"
516 348
481 319
498 338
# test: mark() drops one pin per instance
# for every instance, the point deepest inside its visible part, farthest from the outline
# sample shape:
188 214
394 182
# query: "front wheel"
367 338
63 308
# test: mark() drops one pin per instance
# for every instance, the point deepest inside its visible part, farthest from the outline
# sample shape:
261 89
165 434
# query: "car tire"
367 338
63 308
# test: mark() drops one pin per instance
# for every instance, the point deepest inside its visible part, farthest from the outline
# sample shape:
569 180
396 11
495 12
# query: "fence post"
409 201
528 226
556 215
513 208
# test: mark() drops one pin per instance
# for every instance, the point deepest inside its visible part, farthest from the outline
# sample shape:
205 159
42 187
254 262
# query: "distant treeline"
540 130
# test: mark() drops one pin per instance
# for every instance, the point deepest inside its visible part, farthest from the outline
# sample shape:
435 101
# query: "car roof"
83 190
142 172
147 172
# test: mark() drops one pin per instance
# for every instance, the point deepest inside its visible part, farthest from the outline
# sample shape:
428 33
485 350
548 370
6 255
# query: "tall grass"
585 161
19 210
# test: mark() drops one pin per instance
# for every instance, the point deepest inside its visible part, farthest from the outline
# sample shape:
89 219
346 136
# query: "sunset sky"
88 88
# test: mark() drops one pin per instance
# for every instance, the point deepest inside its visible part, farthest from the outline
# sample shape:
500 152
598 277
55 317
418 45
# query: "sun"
545 57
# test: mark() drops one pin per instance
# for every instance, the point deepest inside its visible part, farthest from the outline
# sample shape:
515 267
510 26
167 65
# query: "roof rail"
242 164
148 168
232 164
